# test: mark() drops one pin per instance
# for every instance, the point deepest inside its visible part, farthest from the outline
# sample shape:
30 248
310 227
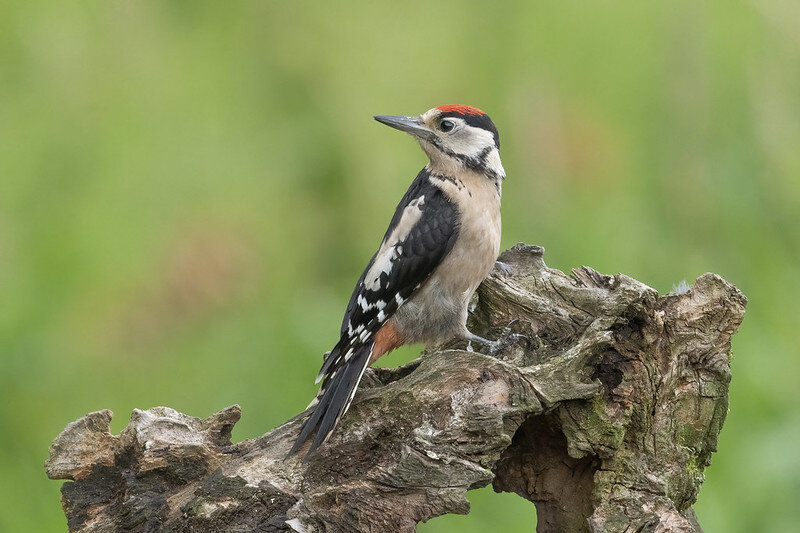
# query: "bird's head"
455 137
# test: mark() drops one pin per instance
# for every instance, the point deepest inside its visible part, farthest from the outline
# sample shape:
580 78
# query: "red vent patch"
460 109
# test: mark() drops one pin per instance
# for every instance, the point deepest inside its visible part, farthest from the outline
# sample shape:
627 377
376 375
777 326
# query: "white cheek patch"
469 141
390 249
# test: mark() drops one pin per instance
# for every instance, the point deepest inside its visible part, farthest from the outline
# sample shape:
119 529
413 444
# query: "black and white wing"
423 230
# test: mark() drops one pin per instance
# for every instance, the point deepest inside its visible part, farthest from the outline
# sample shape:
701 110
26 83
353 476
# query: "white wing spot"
366 306
348 355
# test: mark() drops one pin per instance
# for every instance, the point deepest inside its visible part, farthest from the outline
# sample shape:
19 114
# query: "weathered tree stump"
605 419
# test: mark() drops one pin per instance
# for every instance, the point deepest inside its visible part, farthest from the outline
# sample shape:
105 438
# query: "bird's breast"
439 308
477 199
478 243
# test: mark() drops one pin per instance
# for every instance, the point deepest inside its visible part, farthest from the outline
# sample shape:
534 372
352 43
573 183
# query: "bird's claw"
507 330
507 338
503 268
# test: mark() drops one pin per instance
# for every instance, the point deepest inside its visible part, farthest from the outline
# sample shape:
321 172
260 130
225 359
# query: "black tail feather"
337 393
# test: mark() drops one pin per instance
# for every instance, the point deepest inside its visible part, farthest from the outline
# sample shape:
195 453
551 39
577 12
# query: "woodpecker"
441 243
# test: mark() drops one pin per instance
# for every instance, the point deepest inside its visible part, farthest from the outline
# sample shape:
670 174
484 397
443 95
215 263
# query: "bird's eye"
447 125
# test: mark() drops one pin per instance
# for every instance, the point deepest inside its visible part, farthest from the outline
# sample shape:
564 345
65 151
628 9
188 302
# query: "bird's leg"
495 346
471 337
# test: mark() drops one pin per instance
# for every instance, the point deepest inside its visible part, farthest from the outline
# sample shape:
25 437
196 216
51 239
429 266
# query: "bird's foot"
505 339
503 268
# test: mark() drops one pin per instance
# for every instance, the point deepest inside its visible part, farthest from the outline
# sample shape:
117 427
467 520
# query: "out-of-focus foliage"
188 191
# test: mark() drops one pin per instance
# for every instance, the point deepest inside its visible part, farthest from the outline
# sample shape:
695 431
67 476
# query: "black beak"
412 125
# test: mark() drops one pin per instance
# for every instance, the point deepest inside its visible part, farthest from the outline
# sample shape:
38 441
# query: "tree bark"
604 416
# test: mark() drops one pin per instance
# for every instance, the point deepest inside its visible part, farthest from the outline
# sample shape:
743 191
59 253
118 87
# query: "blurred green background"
189 190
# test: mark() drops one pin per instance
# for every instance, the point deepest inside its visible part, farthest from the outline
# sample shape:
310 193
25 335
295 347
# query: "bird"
441 243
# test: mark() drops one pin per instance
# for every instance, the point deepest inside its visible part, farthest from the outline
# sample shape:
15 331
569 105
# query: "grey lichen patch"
605 418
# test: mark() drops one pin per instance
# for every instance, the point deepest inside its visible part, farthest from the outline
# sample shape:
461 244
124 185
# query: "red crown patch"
460 109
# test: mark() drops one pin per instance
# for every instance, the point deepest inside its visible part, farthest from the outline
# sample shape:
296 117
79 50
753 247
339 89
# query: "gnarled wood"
605 418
